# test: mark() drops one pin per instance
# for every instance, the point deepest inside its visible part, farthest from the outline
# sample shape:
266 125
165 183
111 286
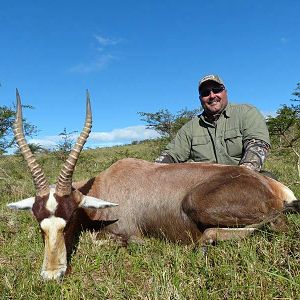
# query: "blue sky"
142 56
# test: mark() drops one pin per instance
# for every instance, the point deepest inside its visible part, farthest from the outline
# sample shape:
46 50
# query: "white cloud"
46 142
283 40
105 139
98 64
101 59
124 134
107 41
269 113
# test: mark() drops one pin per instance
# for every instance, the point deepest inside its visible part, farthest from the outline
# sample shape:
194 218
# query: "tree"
166 123
285 126
34 148
297 92
66 144
7 117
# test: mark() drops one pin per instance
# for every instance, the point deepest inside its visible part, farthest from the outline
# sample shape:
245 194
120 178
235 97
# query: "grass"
263 266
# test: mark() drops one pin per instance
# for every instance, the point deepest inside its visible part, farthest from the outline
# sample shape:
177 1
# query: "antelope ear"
92 202
24 204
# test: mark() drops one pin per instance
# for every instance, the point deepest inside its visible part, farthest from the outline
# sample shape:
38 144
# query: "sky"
142 56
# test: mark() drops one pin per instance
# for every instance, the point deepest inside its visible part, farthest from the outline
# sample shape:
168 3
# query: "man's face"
213 97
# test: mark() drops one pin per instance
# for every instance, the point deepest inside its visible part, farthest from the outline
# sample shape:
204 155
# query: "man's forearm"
255 154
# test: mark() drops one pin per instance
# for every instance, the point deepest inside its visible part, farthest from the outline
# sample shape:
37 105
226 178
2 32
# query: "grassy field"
263 266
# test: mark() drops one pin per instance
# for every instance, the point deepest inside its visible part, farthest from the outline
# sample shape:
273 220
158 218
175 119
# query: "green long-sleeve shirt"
221 142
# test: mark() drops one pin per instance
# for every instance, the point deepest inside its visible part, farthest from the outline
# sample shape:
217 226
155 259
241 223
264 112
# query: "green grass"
262 266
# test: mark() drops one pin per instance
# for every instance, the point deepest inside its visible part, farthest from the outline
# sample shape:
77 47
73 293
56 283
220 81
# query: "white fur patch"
53 224
288 194
55 256
251 229
51 204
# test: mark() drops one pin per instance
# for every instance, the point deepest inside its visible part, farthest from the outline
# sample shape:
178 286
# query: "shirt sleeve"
180 147
254 126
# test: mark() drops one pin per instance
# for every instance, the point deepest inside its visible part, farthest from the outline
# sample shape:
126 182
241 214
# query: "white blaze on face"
51 204
55 256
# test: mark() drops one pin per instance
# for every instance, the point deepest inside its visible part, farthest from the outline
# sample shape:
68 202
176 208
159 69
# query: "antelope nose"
53 275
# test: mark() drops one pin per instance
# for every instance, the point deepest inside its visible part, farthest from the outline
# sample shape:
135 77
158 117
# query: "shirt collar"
226 112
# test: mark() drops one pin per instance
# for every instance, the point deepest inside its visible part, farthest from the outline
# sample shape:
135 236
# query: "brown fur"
179 201
39 208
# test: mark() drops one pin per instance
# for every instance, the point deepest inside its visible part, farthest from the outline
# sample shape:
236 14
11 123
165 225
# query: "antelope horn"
38 175
64 181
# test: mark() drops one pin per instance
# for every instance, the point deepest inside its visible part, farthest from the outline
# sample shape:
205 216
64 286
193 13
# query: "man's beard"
213 116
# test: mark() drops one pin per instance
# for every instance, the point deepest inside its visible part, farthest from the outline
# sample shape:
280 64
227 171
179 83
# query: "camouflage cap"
212 77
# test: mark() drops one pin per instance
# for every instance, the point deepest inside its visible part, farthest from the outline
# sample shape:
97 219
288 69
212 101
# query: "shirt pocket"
234 142
201 149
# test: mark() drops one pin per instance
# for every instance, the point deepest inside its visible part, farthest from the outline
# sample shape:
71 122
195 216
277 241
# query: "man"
225 133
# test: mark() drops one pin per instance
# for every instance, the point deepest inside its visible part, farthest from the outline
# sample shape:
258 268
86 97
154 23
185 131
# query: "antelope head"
59 211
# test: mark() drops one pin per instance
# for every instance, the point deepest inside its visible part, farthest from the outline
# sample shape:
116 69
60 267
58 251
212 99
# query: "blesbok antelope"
180 202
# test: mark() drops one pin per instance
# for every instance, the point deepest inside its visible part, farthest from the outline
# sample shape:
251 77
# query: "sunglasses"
215 90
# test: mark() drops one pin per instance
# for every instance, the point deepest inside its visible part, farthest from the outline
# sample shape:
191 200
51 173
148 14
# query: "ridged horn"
39 179
64 181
